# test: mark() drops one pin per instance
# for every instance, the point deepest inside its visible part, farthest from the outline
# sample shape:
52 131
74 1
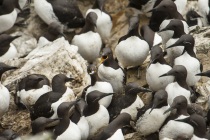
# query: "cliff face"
61 57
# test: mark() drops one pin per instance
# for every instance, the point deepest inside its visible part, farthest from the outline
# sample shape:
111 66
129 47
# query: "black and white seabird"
110 71
179 86
151 121
129 102
174 129
39 124
66 12
193 18
199 124
101 86
146 5
7 49
132 50
79 119
163 13
188 58
177 27
5 95
104 20
151 37
157 67
8 14
66 129
113 130
47 104
88 41
96 114
30 88
203 8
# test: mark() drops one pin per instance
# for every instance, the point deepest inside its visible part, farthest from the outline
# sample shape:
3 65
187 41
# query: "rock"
49 60
202 45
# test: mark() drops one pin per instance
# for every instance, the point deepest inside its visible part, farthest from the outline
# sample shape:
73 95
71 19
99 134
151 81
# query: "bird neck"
93 79
91 109
59 87
88 27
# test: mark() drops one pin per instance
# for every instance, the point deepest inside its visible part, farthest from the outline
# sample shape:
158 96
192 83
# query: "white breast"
67 97
132 52
192 65
181 129
4 100
10 54
29 97
157 40
118 135
7 21
203 7
114 77
89 45
71 133
132 109
103 23
150 123
181 5
104 87
174 90
84 128
152 76
98 120
197 138
45 11
174 52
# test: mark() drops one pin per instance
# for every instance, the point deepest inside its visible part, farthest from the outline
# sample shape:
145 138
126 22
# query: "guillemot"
110 71
132 50
66 128
8 14
129 102
79 119
188 58
175 129
47 104
177 27
166 11
163 12
199 124
39 124
113 130
153 118
179 86
88 41
5 95
193 18
65 12
96 114
157 67
104 20
101 86
7 48
30 88
147 5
